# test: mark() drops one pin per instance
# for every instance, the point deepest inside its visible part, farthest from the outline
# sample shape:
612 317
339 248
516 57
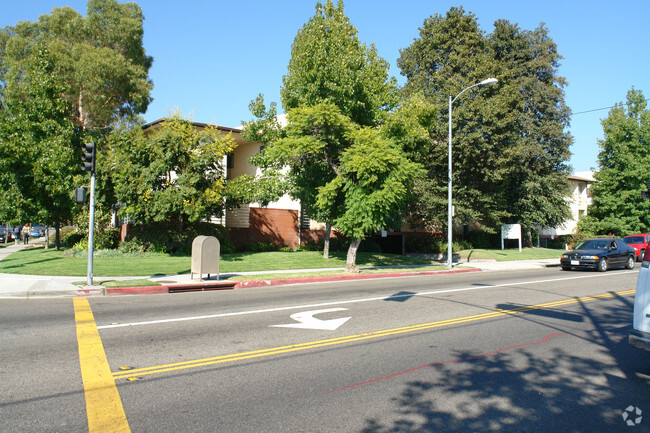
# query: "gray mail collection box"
205 256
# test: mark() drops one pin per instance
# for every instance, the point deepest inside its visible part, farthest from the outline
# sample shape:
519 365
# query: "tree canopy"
65 79
623 162
334 85
510 147
171 172
329 64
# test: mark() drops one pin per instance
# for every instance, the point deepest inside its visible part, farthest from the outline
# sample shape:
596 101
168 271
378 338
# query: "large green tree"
510 147
372 179
623 162
97 75
329 65
172 172
531 126
451 54
36 146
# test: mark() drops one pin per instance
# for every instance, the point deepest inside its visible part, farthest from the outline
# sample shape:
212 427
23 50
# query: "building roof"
197 124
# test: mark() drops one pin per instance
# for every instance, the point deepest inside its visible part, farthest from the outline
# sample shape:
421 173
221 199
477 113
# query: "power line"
598 109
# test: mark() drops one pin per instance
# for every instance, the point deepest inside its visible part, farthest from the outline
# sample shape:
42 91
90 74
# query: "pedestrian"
16 234
26 228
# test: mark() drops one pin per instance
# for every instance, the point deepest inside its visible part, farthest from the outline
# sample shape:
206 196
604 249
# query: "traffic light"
88 153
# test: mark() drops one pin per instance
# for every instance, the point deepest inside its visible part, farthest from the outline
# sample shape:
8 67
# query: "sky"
212 57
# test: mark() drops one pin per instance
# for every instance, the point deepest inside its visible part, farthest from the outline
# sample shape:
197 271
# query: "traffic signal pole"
91 229
88 160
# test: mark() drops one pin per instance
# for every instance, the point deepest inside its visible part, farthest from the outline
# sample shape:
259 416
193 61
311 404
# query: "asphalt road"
542 350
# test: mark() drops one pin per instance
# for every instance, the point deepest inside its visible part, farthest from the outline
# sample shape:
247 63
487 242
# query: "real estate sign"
511 231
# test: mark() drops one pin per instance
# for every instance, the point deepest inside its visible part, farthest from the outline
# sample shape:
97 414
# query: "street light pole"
450 208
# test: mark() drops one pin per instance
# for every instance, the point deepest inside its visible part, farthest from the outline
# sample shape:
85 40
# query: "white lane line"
348 301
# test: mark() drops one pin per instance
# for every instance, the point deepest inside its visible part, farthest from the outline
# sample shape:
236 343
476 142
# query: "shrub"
424 245
263 247
367 246
166 237
478 239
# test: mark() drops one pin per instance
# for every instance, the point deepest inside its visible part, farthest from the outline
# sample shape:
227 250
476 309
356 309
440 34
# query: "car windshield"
594 244
633 239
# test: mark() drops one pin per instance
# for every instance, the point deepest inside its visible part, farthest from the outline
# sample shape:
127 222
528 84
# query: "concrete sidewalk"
36 286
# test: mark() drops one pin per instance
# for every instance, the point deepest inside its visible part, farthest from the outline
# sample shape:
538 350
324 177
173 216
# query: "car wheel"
566 268
641 255
602 265
630 262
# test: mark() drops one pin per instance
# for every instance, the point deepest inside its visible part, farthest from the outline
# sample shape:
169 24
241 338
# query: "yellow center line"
351 338
103 404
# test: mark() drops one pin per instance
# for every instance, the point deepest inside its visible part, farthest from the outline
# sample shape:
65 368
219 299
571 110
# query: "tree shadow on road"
530 390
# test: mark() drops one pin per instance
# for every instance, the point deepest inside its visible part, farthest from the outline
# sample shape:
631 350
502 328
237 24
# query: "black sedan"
599 254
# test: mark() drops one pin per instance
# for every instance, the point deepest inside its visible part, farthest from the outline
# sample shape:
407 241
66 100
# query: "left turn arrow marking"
306 320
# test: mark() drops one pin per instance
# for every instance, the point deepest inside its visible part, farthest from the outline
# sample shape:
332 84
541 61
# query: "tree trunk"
350 264
326 241
57 235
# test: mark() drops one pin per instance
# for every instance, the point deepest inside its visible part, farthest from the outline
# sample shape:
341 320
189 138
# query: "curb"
229 285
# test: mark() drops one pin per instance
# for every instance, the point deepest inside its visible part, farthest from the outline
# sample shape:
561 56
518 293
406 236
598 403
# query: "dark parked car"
599 254
640 242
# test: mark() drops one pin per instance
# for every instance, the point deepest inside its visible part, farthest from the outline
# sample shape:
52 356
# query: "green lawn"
512 254
38 261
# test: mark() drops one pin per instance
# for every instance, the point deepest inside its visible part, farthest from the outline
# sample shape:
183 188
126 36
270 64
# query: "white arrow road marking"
308 321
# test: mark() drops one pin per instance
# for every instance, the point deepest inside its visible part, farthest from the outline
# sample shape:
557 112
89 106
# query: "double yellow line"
349 339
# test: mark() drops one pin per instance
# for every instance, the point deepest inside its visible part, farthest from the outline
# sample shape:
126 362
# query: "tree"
451 54
100 60
329 65
531 125
510 147
37 145
172 173
97 73
372 177
622 173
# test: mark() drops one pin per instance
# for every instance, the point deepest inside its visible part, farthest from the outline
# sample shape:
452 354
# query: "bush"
369 247
478 239
165 237
71 237
262 247
424 245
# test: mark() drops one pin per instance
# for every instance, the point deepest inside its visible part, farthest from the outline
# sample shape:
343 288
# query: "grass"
512 254
39 261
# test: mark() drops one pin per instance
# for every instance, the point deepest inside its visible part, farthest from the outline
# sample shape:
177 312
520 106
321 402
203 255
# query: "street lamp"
487 82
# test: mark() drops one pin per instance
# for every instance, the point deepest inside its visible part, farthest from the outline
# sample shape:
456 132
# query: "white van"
640 333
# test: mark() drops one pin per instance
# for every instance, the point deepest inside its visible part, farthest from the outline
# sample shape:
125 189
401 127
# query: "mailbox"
205 256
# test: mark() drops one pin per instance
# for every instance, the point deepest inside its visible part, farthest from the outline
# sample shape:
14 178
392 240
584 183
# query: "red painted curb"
278 282
223 285
144 290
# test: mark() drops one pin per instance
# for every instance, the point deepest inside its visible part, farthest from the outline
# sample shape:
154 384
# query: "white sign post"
511 231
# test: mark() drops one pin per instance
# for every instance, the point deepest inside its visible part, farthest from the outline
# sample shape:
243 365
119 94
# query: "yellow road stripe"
351 338
103 403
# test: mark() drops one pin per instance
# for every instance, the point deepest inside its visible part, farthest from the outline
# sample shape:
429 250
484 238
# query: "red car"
639 242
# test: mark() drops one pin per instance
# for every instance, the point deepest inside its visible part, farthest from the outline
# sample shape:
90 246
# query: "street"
540 350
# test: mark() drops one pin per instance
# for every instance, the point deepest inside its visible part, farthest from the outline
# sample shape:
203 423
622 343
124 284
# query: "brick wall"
279 226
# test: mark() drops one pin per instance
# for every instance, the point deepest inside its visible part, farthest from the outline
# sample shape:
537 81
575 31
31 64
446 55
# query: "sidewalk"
36 286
